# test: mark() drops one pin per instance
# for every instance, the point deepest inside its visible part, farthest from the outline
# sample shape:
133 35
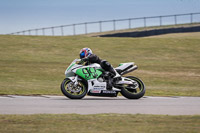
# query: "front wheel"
134 93
73 91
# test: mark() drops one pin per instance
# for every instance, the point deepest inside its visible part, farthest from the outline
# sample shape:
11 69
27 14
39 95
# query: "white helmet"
85 52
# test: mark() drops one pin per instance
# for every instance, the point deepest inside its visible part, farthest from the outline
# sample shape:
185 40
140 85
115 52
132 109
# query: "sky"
18 15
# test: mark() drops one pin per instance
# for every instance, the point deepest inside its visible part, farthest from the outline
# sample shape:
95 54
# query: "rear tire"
72 92
131 94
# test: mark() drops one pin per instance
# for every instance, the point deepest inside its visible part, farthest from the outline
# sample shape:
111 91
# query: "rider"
87 56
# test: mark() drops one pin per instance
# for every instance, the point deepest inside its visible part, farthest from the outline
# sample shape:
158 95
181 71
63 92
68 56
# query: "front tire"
134 94
71 91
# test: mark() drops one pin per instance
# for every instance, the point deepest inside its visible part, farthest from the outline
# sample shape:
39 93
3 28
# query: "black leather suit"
103 63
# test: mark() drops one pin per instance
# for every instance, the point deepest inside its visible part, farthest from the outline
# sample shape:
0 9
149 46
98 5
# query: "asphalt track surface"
12 104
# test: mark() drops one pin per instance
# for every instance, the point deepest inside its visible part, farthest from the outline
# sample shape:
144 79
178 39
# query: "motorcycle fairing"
88 73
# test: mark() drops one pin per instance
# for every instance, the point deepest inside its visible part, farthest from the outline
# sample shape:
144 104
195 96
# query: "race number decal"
89 72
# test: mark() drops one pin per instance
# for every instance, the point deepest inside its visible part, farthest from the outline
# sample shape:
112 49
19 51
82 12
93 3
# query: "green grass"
100 123
169 66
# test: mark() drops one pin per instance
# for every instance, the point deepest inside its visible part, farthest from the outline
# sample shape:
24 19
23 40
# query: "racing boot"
108 78
116 77
112 78
109 83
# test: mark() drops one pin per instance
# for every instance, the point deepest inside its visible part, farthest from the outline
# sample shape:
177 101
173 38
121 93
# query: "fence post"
100 26
86 28
160 20
175 19
114 28
129 21
145 22
62 32
52 28
74 29
191 18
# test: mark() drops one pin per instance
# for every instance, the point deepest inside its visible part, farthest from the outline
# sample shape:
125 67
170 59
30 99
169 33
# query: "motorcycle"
92 80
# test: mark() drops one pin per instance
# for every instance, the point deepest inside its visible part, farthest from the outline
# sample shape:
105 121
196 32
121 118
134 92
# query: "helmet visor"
82 55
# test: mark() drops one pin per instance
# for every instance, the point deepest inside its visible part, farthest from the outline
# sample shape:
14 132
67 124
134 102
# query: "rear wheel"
135 93
73 91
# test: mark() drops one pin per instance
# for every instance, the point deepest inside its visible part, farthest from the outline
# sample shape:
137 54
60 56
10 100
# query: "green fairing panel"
121 64
88 73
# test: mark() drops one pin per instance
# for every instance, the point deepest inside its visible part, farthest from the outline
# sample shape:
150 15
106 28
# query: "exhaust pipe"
129 70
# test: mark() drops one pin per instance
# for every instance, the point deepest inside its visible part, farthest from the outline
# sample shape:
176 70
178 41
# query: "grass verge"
168 65
100 123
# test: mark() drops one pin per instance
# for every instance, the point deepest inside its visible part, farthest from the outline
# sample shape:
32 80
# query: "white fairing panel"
125 65
95 86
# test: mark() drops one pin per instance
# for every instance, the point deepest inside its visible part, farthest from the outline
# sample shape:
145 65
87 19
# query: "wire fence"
112 25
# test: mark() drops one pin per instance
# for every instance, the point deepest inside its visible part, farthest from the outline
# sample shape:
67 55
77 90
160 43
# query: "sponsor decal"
95 91
109 92
99 87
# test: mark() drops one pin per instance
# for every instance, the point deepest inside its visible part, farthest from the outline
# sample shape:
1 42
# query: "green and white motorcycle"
92 80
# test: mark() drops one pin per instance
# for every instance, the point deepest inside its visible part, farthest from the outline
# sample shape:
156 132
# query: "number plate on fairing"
88 73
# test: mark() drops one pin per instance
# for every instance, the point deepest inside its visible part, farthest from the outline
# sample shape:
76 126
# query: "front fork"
74 80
